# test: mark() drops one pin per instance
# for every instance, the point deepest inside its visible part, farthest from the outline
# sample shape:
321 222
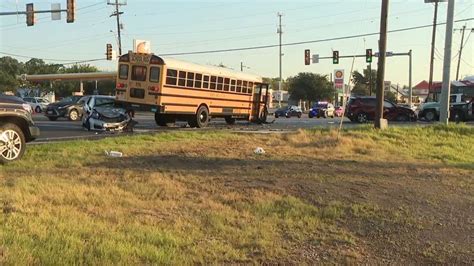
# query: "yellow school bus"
179 90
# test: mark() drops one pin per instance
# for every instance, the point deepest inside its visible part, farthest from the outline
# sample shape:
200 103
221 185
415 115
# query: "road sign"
56 11
386 54
315 58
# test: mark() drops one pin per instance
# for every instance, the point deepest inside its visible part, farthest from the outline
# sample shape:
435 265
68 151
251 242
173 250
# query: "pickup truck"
16 128
462 112
430 111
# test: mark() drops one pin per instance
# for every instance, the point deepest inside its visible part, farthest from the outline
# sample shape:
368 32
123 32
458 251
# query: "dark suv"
16 128
70 107
362 109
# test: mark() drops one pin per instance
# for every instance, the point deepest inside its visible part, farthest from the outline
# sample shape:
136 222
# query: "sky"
181 26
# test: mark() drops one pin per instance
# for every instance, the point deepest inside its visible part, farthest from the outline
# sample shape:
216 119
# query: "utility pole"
446 87
460 51
280 32
117 14
380 123
433 38
410 89
242 66
369 66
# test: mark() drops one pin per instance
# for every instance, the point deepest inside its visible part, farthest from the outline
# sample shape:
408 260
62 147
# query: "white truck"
430 110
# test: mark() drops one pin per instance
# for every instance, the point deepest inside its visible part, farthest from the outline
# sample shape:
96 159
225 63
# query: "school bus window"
244 86
213 82
239 86
198 81
182 78
123 71
138 73
220 81
205 84
190 81
155 74
250 88
232 85
171 76
226 84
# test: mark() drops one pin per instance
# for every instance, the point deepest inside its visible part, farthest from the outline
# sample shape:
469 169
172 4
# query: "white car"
37 104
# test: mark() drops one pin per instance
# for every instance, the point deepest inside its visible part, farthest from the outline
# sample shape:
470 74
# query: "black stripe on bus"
207 90
231 107
198 97
180 104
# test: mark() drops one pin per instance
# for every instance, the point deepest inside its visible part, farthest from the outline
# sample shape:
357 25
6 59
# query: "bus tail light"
121 86
154 88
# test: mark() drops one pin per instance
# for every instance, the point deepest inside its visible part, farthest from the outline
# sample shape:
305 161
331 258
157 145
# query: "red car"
339 112
362 109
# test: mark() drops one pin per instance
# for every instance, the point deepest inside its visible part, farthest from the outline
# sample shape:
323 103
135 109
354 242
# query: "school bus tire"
201 119
164 120
229 120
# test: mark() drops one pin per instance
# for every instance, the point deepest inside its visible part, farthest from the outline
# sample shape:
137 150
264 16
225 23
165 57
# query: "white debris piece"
259 150
113 154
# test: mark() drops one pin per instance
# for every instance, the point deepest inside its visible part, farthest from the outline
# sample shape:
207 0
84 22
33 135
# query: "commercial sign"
141 46
339 78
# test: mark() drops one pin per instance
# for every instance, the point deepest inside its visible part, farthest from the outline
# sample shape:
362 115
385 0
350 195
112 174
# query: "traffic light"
108 52
30 14
71 11
335 57
368 55
307 57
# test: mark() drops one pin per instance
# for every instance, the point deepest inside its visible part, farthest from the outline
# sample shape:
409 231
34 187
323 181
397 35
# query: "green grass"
204 197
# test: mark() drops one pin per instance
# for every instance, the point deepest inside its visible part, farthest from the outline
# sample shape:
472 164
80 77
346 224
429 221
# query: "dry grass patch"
402 195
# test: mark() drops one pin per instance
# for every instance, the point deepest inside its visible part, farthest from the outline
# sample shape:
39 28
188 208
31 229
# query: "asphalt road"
63 129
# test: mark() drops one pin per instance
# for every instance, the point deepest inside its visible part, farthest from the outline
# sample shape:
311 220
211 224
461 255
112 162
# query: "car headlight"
27 107
310 109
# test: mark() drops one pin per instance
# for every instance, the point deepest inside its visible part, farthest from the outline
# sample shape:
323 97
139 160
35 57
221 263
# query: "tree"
390 96
274 83
362 82
10 68
310 87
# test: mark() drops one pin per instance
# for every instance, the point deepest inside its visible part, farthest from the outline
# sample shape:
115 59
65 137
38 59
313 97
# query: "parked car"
289 111
103 114
322 109
16 128
430 111
462 111
362 109
339 112
37 104
69 107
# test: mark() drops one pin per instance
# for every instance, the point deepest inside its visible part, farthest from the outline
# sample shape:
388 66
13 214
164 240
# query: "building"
465 86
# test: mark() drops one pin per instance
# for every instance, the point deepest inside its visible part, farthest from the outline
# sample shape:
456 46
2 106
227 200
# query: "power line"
307 42
254 47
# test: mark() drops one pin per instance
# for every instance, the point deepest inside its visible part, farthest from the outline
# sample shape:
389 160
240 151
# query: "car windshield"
41 100
284 108
70 99
108 102
321 105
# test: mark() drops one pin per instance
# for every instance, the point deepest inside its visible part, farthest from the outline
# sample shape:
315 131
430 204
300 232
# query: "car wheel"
229 120
12 143
310 115
403 118
288 115
458 117
38 109
276 116
299 115
362 118
52 118
201 119
325 115
430 115
73 115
